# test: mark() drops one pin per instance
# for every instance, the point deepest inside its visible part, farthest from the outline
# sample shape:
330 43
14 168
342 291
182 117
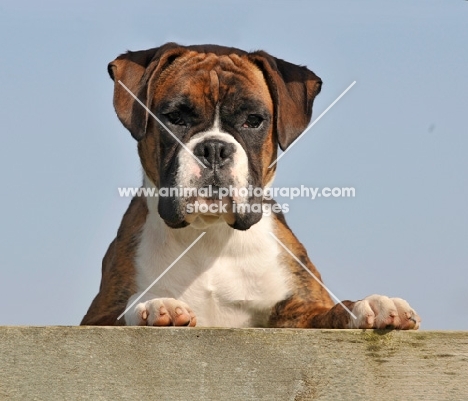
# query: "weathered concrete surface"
95 363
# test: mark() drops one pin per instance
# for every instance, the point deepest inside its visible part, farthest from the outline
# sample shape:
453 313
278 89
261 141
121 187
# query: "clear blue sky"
399 137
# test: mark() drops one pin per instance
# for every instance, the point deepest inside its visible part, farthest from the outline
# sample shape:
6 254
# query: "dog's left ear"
293 89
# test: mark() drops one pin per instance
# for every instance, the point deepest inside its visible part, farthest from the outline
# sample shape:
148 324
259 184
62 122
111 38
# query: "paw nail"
178 311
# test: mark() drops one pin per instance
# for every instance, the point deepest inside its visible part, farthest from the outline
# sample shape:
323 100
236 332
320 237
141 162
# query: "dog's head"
227 111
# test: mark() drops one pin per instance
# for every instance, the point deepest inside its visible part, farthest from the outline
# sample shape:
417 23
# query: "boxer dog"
222 114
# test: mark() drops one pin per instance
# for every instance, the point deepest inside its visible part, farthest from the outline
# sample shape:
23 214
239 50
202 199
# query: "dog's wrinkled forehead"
203 82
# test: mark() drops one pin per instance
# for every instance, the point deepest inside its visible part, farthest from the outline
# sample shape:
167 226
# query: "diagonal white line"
311 125
162 124
313 275
162 274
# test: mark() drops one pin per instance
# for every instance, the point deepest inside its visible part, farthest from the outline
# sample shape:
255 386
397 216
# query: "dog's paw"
381 312
161 312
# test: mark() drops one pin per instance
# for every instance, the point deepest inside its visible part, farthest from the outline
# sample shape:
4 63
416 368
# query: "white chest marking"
230 278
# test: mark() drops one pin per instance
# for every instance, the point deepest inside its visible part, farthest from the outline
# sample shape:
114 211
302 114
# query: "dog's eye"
253 121
175 118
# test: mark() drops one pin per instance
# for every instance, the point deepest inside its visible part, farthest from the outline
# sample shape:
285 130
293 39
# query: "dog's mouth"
212 204
210 207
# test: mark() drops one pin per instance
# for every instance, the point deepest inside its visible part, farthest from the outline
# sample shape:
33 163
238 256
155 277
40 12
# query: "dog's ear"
135 70
293 89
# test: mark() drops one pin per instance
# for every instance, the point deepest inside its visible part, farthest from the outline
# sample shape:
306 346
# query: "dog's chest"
229 278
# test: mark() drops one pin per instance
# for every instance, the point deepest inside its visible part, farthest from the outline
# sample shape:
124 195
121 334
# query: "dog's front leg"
373 312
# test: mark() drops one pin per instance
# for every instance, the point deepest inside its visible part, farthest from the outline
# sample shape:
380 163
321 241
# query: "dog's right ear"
135 70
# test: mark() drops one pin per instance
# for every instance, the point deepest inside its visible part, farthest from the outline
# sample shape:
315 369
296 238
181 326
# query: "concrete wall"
95 363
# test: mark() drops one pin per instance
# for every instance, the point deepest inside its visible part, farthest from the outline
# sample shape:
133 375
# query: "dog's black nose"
214 153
